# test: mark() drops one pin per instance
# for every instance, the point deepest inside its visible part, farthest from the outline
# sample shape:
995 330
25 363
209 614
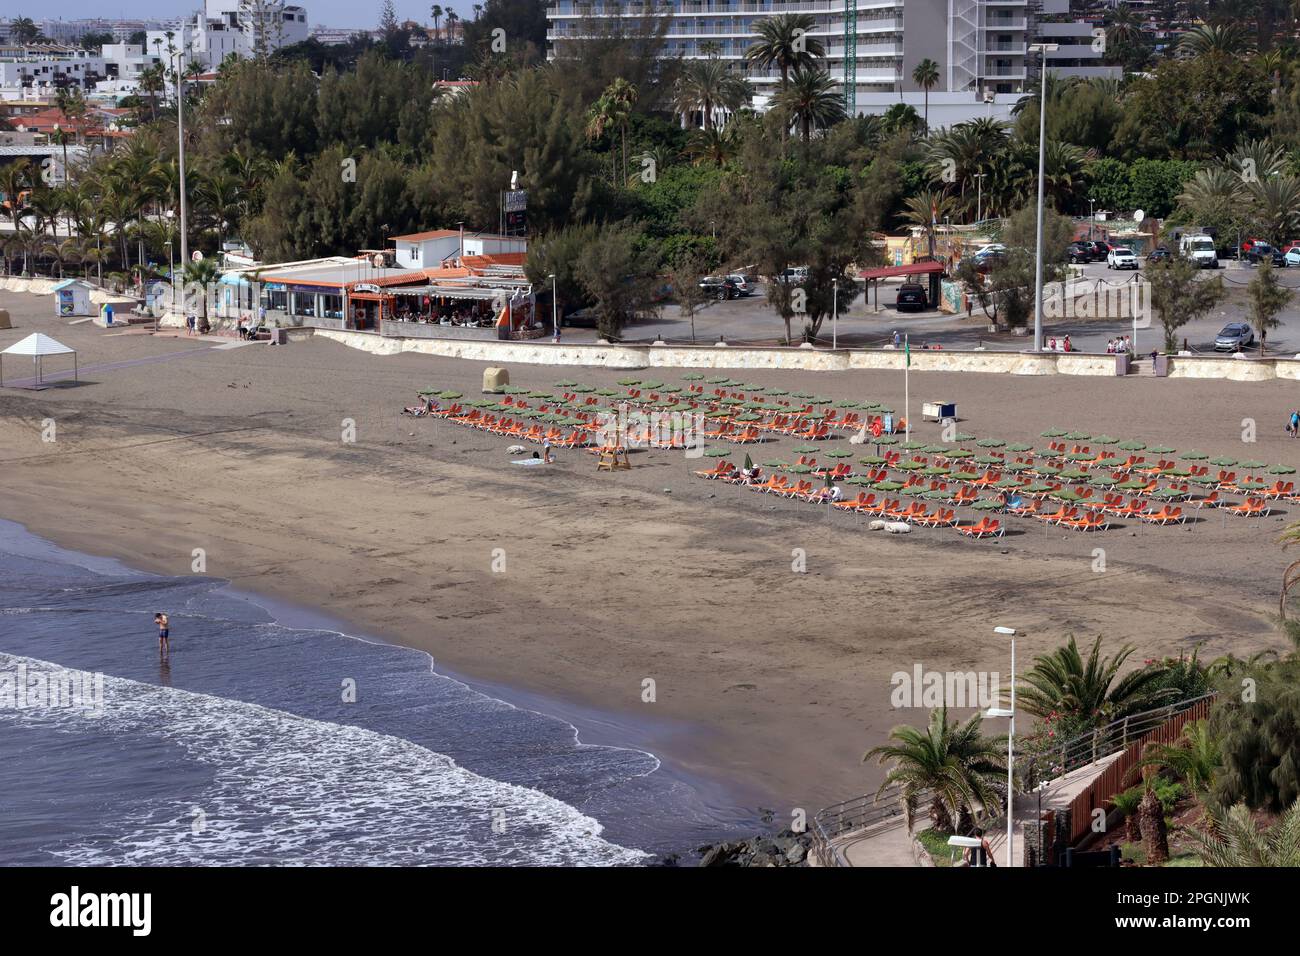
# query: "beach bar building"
478 294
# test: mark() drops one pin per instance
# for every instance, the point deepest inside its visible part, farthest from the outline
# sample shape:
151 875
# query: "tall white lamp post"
1009 712
1043 49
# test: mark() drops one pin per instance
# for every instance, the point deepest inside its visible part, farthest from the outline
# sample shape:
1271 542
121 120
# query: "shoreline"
590 727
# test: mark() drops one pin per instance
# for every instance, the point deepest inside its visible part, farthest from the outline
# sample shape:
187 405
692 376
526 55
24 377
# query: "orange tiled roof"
494 259
432 234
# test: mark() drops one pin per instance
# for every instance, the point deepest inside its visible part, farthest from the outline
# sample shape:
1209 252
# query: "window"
332 306
276 299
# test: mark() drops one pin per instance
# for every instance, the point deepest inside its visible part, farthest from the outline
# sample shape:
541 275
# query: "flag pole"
907 392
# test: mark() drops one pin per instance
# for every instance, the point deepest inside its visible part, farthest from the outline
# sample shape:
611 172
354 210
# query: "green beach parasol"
1132 445
1281 470
991 443
1052 433
839 453
1194 456
1223 462
1251 463
987 504
717 452
888 485
1105 439
1019 447
871 460
807 450
1162 450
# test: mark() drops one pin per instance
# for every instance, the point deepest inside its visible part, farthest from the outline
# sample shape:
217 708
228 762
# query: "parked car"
1234 337
1100 249
1262 251
745 285
911 298
1292 257
1079 252
1160 254
719 287
793 276
1121 258
989 256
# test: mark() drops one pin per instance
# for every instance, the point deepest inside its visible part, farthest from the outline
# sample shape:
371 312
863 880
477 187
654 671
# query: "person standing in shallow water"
164 645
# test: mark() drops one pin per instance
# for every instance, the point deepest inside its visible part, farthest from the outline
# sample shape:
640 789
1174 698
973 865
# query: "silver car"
1234 337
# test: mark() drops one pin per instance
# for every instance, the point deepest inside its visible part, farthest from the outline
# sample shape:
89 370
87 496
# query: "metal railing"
860 813
870 810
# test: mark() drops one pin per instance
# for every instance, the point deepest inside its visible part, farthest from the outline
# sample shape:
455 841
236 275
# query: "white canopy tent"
37 346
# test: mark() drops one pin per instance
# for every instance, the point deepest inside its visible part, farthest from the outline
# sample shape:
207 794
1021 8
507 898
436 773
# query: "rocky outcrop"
786 848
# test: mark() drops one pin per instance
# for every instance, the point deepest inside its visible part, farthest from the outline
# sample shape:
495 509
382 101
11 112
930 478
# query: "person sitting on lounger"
835 493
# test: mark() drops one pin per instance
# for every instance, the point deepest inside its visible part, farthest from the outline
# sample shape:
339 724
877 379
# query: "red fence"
1115 778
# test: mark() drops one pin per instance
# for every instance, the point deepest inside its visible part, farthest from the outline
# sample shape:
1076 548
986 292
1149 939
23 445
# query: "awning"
36 346
454 292
916 268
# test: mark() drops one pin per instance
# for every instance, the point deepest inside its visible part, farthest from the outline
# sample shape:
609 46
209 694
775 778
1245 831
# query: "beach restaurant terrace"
477 297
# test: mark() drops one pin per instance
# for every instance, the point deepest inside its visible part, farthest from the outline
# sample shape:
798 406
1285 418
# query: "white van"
1200 249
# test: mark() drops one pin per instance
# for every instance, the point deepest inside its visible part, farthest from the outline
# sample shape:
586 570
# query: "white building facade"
981 46
244 28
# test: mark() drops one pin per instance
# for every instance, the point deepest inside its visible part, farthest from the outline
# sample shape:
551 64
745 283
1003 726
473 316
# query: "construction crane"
850 57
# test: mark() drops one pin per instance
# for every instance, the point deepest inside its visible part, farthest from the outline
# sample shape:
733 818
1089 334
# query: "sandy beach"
771 681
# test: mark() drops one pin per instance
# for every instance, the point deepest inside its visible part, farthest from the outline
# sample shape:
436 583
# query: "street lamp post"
835 312
555 307
1092 217
1043 49
180 154
979 197
1011 735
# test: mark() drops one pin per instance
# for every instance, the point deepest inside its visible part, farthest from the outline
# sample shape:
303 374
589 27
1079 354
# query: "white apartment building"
981 46
223 27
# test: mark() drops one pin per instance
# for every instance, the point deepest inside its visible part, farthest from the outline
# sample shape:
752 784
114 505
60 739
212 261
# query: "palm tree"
1226 38
1063 683
1195 758
153 82
1256 159
953 764
1234 839
1213 192
15 179
926 209
622 96
435 13
784 41
1276 201
811 100
709 87
711 146
1123 25
24 30
453 18
603 116
926 75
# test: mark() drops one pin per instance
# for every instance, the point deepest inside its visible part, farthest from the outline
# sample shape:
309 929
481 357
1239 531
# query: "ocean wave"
290 790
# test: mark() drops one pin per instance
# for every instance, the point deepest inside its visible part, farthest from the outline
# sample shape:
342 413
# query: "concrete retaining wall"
727 357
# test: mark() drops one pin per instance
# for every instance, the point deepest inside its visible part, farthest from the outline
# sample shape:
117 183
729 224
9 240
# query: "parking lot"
752 321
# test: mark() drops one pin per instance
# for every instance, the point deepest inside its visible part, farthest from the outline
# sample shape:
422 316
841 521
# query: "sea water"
261 743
